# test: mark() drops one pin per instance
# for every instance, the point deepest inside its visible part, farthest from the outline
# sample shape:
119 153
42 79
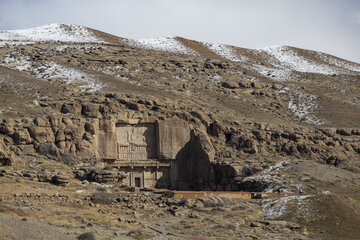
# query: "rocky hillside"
254 103
249 109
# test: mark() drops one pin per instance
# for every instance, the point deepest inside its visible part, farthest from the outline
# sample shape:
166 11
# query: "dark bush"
68 159
87 236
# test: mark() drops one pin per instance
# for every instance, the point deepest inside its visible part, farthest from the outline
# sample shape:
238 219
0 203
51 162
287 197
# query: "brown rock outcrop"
6 157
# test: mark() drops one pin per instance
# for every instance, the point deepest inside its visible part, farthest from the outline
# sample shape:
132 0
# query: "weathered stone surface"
42 122
173 135
192 169
106 175
107 141
22 136
6 157
90 110
42 134
6 128
60 178
48 149
27 149
73 108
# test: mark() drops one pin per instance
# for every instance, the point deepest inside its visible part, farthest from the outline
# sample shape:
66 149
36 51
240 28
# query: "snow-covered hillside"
166 44
226 52
51 32
52 70
320 63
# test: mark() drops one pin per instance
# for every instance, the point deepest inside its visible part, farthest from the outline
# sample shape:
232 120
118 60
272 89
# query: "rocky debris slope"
114 212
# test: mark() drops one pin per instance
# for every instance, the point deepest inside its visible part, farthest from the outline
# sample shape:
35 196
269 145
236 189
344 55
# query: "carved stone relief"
136 142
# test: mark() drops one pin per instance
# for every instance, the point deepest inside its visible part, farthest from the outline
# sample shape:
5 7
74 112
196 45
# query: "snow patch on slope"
166 44
272 177
277 208
52 70
276 73
290 59
87 46
226 52
340 64
51 32
8 44
303 105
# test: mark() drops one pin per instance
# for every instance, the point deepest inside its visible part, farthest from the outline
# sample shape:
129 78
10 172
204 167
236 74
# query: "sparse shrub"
68 159
48 149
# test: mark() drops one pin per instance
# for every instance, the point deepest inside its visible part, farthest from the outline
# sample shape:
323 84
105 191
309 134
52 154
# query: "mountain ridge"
84 34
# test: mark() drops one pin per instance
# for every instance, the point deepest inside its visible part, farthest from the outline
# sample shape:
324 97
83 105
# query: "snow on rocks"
303 105
276 73
51 32
52 70
87 46
166 44
275 208
272 177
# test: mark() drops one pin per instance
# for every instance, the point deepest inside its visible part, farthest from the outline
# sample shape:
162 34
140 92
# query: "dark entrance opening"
137 182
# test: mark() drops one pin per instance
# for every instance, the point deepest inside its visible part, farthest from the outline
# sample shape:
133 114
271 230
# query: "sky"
331 26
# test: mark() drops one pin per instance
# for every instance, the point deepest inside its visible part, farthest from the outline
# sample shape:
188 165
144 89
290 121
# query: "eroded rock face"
6 158
193 169
196 151
185 156
173 135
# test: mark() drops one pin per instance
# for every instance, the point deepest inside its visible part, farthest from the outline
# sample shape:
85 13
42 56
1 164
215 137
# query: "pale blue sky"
331 26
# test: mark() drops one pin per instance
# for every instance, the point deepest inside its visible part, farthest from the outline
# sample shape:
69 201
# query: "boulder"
355 132
133 106
256 85
6 129
90 128
90 110
103 198
244 84
61 178
344 131
42 134
42 122
230 84
72 108
21 137
107 175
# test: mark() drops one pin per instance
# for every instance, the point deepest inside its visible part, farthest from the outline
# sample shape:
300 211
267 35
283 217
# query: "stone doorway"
136 180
